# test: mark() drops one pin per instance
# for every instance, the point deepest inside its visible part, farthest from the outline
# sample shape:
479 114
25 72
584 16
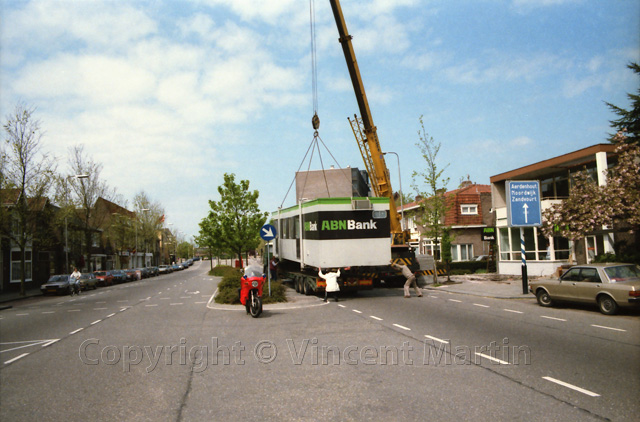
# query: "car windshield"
620 273
57 278
100 273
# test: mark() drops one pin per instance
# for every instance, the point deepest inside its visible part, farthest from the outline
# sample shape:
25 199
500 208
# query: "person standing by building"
411 279
273 268
332 283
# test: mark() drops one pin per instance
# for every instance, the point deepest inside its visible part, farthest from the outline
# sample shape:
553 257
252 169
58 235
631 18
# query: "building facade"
546 255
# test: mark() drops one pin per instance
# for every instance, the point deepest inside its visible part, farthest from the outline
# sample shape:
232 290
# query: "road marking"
16 358
179 303
437 339
491 358
511 310
185 297
110 315
165 298
480 305
99 309
434 297
101 302
556 319
49 312
573 387
74 310
95 322
76 331
200 303
608 328
123 309
356 311
342 306
49 343
155 304
121 301
402 326
375 317
454 300
22 314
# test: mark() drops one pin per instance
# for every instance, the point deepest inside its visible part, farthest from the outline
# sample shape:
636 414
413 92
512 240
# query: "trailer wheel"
296 284
307 288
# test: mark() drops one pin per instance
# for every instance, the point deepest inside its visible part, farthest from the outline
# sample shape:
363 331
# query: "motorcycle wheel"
255 307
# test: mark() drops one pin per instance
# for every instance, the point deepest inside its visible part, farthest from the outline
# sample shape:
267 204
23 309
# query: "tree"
433 206
629 121
236 217
149 219
85 192
28 172
210 237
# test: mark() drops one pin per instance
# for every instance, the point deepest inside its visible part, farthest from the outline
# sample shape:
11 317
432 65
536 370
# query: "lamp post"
400 182
66 231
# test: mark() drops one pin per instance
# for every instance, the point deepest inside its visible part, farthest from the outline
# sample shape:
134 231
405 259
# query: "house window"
469 209
461 252
16 262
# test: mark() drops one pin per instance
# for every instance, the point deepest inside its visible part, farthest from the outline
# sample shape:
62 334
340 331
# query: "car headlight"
254 283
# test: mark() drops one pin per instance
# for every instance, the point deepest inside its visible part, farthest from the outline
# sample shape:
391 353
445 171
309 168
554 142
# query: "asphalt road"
156 350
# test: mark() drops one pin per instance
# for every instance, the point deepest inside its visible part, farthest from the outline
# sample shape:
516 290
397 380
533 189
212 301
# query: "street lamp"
400 182
66 232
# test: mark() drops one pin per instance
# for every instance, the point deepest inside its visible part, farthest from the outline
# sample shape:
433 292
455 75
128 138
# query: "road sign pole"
268 268
525 280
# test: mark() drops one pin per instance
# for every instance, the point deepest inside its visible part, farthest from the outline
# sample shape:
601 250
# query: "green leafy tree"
433 206
210 237
149 219
629 120
236 217
27 171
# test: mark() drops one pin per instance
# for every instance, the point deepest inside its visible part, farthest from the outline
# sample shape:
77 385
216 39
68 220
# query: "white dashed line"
76 331
491 358
356 311
480 305
437 339
16 358
172 304
155 304
99 309
555 319
342 306
375 317
74 310
402 326
110 315
49 343
454 300
49 312
609 328
95 322
573 387
511 310
22 314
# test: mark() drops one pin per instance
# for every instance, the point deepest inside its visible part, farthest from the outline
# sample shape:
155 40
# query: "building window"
461 252
16 262
536 246
469 209
429 248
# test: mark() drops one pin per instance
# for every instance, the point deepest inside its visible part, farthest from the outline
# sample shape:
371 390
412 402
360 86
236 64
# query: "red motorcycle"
251 290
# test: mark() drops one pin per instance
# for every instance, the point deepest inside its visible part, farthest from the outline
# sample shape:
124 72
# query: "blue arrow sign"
268 232
523 203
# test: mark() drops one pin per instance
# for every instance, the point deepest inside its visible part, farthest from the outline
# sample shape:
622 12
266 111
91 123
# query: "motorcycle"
251 290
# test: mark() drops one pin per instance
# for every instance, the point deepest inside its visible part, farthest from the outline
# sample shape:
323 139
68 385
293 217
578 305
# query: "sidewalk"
11 296
485 285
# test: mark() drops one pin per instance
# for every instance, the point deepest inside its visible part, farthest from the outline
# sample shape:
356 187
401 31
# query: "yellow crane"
366 134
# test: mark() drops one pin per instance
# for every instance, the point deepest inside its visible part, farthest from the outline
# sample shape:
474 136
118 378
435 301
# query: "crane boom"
367 137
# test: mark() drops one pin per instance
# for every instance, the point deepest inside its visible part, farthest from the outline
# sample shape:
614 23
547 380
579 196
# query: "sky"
170 95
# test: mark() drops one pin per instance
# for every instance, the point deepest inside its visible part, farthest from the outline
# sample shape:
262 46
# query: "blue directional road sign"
268 232
523 203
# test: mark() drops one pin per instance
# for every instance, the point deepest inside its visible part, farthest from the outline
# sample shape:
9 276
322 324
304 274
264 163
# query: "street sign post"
523 210
268 233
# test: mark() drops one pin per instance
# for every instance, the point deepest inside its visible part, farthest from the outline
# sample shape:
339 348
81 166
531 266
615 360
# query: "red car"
105 277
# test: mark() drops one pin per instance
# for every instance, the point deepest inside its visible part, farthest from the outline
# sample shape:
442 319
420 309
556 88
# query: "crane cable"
315 121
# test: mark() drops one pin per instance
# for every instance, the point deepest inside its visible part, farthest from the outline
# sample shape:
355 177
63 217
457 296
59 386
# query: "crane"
366 134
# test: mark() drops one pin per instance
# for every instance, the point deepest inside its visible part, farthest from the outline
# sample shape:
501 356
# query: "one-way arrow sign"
523 203
268 232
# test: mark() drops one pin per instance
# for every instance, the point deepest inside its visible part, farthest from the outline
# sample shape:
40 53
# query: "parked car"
164 269
610 286
119 276
177 267
143 273
153 271
58 284
132 274
88 281
105 278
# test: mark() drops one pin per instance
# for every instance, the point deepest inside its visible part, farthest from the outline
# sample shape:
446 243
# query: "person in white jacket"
332 283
